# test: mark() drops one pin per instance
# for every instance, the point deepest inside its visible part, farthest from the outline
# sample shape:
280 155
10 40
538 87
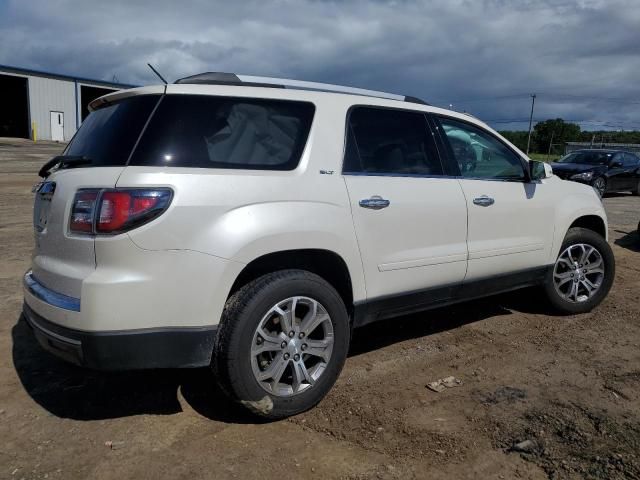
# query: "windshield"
108 134
587 158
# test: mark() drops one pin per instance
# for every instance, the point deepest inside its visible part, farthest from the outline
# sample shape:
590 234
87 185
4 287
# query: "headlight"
582 176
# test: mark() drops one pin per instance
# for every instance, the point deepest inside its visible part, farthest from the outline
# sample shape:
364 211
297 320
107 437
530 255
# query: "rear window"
225 132
108 134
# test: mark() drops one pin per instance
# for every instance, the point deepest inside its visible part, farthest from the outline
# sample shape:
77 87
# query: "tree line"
556 132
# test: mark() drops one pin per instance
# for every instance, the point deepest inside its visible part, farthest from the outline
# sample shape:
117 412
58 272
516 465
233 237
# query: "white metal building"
46 105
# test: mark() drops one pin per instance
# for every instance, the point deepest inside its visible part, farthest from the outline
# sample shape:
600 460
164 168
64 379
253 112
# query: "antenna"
158 74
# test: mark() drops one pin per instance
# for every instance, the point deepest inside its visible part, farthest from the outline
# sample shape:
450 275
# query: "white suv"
249 224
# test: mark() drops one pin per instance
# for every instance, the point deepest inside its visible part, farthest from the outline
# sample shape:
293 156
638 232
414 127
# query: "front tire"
600 186
282 342
636 191
583 273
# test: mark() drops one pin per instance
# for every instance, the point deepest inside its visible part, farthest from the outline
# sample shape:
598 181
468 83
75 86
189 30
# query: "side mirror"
539 170
616 164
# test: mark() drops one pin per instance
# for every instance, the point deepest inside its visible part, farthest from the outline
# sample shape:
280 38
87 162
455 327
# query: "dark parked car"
605 170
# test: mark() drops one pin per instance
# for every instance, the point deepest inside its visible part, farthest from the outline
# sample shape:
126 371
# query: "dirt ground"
568 385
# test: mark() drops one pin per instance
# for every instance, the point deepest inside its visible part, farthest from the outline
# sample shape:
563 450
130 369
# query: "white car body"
177 271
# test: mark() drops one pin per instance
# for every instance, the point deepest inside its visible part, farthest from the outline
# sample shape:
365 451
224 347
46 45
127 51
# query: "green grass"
543 157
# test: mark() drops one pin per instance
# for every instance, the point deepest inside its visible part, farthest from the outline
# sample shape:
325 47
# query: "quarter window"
387 141
225 132
479 154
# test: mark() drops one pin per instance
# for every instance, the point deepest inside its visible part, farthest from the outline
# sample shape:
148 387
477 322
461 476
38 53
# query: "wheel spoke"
318 348
566 261
589 287
308 318
269 343
573 292
286 318
586 253
563 275
564 282
294 305
310 323
275 370
594 271
594 265
300 375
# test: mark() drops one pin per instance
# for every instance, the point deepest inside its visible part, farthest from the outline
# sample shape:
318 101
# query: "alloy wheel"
292 345
578 273
599 185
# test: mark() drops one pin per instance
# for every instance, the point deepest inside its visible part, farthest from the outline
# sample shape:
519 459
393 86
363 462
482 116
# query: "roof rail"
222 78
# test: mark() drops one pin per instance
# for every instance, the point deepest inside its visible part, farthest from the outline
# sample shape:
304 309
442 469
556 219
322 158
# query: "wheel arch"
324 263
591 222
578 210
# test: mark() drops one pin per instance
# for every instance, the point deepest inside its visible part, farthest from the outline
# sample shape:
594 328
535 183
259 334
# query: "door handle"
376 202
484 201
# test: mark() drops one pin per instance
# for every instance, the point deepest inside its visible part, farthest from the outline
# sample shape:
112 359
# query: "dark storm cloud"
581 57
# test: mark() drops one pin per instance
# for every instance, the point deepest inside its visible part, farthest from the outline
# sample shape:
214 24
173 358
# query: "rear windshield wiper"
63 161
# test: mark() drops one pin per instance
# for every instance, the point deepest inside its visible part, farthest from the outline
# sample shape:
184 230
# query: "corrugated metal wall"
50 95
47 94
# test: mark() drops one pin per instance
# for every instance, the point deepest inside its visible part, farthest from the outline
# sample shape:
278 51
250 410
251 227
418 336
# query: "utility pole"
533 102
550 145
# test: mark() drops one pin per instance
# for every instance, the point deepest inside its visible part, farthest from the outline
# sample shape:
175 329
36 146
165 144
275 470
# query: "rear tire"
636 191
569 284
252 337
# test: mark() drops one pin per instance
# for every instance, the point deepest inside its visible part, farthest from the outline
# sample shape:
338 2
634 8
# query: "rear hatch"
63 259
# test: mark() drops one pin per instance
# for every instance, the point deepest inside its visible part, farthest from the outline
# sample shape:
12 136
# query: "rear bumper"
125 350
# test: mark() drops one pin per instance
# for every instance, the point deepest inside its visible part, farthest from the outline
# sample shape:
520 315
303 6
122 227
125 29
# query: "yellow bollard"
34 131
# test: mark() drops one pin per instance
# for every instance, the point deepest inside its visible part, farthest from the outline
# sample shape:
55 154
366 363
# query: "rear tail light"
116 210
82 212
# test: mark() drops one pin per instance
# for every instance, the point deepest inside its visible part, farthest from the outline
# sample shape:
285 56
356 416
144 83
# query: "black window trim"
428 131
523 162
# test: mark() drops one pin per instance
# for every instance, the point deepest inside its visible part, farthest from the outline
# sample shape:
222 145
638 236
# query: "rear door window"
109 133
630 160
225 132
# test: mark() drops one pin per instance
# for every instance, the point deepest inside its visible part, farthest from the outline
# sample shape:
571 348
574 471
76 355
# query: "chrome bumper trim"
47 295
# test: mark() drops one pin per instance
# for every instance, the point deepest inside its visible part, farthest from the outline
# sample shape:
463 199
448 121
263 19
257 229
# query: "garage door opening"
89 94
14 107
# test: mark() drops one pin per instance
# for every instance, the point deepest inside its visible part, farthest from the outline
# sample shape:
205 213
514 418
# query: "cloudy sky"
581 57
